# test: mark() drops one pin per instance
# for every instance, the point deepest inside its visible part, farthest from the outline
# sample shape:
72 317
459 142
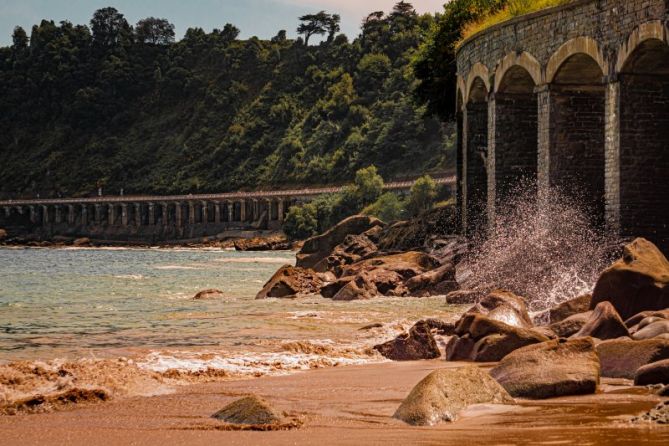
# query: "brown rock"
570 325
356 289
3 234
417 344
444 393
83 241
208 294
438 281
320 247
406 264
290 281
460 348
653 373
621 358
550 369
652 330
462 297
637 282
569 308
266 243
604 323
504 306
249 410
353 249
331 289
637 318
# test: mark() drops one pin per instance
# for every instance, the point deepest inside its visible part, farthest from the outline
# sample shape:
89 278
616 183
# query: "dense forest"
116 106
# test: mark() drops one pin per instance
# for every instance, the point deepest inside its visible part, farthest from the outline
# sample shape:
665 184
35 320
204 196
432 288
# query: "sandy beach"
343 406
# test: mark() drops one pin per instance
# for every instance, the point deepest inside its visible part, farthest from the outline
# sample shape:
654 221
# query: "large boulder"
504 306
460 348
368 284
656 329
550 369
621 358
315 250
462 297
444 393
418 343
289 282
249 410
569 308
637 282
407 264
653 373
604 323
420 231
353 249
570 325
637 318
438 281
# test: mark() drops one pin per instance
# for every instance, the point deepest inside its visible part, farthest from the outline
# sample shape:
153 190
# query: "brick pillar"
165 213
612 157
217 212
111 212
70 214
231 211
242 214
491 161
544 138
205 213
279 217
475 145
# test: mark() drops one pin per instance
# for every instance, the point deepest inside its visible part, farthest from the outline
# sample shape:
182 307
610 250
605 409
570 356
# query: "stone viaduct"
574 97
149 219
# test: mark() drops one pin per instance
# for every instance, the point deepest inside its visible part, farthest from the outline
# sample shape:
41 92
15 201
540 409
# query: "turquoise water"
76 303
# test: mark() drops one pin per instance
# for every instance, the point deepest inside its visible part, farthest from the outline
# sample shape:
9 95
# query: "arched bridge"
159 218
575 97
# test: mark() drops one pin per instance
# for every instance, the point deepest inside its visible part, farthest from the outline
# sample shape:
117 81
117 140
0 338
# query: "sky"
262 18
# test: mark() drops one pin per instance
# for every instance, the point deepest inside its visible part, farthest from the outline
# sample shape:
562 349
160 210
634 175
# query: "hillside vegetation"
115 106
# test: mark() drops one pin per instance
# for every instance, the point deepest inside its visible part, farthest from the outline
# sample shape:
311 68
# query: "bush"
387 208
422 196
301 222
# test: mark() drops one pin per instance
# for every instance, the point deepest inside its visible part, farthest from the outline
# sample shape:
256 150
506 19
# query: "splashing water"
544 248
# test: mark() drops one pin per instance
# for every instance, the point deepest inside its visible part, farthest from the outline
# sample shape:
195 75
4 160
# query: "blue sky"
262 18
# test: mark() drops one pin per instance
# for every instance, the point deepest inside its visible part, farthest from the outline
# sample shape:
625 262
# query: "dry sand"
342 406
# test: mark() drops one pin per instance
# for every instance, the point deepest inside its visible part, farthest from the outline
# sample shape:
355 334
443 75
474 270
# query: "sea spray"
544 248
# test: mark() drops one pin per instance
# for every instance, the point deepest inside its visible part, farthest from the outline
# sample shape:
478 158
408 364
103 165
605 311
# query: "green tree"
301 222
19 39
314 24
368 185
388 208
110 29
333 26
422 196
154 31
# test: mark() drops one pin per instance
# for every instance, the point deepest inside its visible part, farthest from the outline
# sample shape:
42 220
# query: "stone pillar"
231 211
59 214
98 214
490 161
612 154
191 213
70 214
463 188
124 215
217 212
177 214
279 217
138 214
111 213
205 213
165 213
45 215
242 213
84 215
269 204
544 138
152 214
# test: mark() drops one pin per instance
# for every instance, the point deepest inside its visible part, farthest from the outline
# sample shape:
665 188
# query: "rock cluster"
249 410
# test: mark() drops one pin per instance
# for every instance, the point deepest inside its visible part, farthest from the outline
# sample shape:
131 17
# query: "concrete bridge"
575 97
162 218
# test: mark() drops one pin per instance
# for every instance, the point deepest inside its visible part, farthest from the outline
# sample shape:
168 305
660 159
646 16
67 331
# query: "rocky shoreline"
620 330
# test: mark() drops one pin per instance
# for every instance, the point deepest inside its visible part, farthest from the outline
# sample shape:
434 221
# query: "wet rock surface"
604 323
550 369
249 410
208 294
418 343
659 414
570 308
653 373
444 393
571 325
290 281
621 358
637 282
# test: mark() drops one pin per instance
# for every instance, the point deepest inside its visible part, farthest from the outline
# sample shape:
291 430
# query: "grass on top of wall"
514 8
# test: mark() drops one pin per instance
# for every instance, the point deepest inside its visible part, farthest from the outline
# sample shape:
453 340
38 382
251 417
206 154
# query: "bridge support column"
191 213
231 211
98 214
177 214
111 214
205 213
279 216
242 213
138 214
124 215
163 206
70 214
217 212
475 156
45 215
152 214
544 144
84 215
58 214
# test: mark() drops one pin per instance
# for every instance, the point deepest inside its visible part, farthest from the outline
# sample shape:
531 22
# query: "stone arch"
653 30
643 81
478 71
513 60
575 48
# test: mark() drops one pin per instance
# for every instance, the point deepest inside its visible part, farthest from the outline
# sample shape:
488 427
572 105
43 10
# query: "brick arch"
479 71
579 45
653 30
524 60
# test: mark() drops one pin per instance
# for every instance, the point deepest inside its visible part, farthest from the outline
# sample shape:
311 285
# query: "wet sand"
343 406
